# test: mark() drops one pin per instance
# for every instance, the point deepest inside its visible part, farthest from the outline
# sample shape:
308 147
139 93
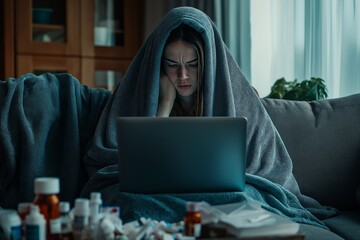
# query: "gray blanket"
45 124
226 93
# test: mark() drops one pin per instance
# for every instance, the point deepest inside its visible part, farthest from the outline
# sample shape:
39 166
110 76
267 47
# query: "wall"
154 11
2 46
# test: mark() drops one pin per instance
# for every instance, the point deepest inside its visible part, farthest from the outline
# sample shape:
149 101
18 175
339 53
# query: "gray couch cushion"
315 233
323 140
347 224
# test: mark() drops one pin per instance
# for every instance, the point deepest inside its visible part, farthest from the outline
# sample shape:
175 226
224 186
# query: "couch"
323 140
322 137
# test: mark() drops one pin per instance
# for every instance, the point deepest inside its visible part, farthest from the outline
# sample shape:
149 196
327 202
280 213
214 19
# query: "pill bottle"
91 231
47 190
192 220
81 217
95 207
66 222
23 210
10 223
35 224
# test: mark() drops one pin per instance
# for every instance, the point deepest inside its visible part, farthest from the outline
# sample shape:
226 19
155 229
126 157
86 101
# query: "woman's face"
181 66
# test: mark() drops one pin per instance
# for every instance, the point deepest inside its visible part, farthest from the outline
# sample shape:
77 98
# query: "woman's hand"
167 89
167 96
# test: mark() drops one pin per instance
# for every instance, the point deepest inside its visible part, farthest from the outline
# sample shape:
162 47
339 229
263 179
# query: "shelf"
40 28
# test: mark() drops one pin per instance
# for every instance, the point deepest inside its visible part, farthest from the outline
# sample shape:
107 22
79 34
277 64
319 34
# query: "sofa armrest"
323 140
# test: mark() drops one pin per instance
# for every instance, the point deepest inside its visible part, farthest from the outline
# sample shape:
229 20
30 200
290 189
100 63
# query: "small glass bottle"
66 222
192 220
47 190
23 210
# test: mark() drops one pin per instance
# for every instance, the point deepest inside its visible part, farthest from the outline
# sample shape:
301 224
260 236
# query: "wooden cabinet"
103 73
7 36
95 40
48 27
123 32
44 63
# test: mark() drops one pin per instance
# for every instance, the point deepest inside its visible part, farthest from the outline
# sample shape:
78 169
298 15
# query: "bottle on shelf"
47 190
192 220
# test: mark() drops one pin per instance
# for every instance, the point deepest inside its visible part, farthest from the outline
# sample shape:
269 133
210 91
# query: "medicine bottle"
35 224
92 230
192 220
81 217
66 222
95 205
23 210
10 224
47 190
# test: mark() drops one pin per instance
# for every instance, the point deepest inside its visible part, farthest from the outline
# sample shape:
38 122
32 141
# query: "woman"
184 68
181 77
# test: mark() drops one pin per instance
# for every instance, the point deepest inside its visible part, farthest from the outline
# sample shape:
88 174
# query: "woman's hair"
189 35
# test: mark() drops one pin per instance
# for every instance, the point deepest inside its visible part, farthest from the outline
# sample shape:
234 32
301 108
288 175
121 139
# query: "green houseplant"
307 90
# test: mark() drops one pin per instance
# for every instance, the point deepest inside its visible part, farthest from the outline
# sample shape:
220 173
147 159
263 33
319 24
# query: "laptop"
181 154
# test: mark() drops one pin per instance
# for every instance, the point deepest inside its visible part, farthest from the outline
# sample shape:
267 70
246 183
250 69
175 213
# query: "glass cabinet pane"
108 79
108 23
49 21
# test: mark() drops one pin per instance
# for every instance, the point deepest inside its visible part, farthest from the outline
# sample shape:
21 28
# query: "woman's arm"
167 96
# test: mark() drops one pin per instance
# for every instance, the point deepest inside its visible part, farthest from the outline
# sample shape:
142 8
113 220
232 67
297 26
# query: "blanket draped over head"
226 93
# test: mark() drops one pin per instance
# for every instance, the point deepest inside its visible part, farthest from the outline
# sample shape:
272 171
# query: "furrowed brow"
192 61
169 60
172 61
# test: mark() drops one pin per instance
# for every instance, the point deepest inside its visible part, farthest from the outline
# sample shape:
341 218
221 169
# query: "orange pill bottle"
47 190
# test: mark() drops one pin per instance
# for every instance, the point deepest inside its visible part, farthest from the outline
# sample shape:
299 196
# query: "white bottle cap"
81 207
14 219
47 185
8 219
95 196
192 207
64 207
24 207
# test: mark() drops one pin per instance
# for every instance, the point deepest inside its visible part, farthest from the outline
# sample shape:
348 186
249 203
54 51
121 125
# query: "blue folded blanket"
226 93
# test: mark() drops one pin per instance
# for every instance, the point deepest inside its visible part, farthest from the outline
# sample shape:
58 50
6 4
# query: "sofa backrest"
323 140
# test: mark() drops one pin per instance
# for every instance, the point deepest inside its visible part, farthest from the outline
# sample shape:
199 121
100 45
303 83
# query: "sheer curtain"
300 39
294 39
232 18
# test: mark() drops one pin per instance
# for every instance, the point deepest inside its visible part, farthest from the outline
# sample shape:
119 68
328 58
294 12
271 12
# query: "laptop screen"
181 154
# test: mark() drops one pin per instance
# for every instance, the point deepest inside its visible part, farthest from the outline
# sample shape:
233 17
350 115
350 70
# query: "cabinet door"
42 64
103 73
7 37
48 27
111 28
